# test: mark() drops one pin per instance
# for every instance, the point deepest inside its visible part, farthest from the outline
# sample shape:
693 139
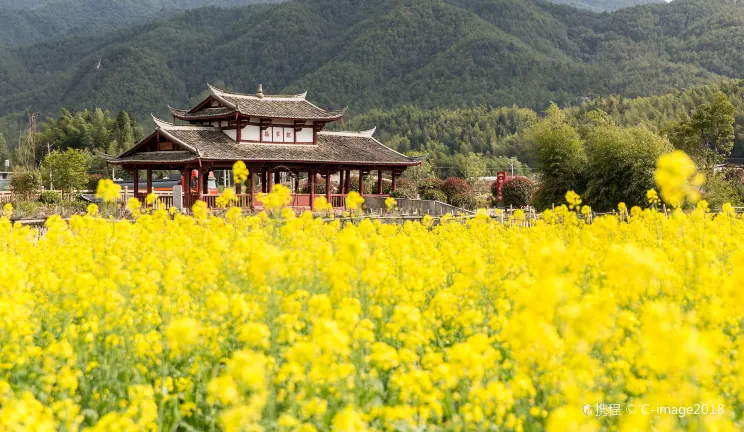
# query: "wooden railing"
338 200
164 200
244 201
300 200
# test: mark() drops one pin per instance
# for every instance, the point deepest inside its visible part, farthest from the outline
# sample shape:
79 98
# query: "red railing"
244 201
301 200
338 201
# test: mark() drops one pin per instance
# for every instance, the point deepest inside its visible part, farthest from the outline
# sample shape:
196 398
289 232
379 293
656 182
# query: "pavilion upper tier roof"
208 143
291 107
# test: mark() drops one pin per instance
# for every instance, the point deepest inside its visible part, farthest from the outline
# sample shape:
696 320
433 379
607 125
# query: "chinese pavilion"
279 138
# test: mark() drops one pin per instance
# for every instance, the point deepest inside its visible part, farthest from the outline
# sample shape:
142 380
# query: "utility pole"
511 163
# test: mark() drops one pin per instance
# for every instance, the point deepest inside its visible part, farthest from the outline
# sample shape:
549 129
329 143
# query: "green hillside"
428 53
446 134
28 22
604 5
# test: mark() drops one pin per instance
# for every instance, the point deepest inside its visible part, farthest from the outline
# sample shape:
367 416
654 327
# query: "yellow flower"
677 178
150 199
200 210
240 172
728 209
322 205
8 210
233 214
182 335
279 197
519 215
134 205
348 420
92 209
227 198
354 201
573 199
653 197
223 390
622 208
107 190
391 204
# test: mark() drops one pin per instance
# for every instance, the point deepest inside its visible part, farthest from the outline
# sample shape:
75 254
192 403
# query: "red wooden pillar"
263 180
238 129
311 182
341 188
328 184
250 187
270 182
199 175
361 181
205 181
347 183
186 186
239 186
136 181
379 182
277 178
394 178
149 180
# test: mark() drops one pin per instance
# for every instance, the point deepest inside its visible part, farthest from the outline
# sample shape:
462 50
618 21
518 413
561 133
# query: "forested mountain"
604 5
383 54
444 134
24 22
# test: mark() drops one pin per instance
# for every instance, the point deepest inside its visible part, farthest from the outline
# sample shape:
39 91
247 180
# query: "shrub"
719 189
517 191
50 197
93 180
434 195
25 184
454 186
464 200
406 189
67 170
429 184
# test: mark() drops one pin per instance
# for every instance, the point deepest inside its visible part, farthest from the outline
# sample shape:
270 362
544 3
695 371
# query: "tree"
516 191
66 171
471 166
4 154
418 173
708 135
621 164
123 134
25 183
559 156
28 145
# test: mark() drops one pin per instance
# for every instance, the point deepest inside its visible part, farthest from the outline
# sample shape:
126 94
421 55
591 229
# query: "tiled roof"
159 156
203 113
207 143
268 106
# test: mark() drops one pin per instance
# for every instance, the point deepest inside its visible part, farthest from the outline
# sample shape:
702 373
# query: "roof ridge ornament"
162 124
259 92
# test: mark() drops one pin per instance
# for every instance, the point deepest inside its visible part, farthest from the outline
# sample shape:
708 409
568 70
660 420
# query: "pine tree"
123 133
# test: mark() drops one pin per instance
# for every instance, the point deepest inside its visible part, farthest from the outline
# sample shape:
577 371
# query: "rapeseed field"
281 323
